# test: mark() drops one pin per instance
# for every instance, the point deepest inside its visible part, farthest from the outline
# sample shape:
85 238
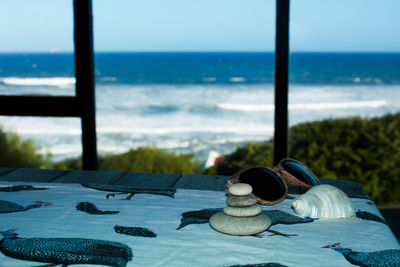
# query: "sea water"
201 103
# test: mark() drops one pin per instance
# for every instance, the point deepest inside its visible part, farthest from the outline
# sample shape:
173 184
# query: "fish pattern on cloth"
195 244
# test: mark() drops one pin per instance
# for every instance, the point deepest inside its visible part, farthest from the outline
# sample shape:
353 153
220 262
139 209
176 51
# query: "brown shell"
290 179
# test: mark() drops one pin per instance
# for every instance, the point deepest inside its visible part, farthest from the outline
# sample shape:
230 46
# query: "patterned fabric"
82 226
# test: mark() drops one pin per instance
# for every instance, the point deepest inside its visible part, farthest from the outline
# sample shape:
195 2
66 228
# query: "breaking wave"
305 106
34 81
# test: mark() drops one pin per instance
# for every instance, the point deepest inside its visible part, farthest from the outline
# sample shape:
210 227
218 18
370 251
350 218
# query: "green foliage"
68 164
16 153
150 160
363 150
142 159
24 154
249 154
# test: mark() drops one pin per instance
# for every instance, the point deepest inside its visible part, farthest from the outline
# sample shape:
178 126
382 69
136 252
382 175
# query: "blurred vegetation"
365 150
142 159
249 154
16 153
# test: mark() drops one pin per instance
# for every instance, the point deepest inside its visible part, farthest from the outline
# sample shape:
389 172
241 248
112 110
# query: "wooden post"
281 79
84 73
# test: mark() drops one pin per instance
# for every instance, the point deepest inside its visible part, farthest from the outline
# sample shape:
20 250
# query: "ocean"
201 103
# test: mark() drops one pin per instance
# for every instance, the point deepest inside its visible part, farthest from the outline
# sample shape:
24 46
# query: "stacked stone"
242 216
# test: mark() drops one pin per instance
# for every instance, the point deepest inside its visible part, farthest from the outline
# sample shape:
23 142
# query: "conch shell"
324 201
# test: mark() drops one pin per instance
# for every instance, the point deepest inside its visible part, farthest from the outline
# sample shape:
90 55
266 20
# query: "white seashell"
324 201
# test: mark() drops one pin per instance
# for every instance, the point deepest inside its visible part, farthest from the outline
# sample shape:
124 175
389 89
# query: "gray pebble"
241 201
240 189
239 225
243 212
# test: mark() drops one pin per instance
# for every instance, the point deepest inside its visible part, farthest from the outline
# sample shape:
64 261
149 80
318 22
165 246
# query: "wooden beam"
84 73
39 106
281 79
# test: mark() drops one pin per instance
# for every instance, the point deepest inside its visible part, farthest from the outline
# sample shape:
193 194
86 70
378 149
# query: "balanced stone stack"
242 216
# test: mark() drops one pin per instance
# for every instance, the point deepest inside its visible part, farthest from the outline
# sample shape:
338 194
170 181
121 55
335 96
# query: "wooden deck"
146 180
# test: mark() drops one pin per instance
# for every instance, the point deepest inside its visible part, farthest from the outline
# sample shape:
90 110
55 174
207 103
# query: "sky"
203 25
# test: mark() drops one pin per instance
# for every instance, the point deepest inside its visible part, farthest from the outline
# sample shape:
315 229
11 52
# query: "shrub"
249 154
68 164
142 159
150 160
16 153
363 150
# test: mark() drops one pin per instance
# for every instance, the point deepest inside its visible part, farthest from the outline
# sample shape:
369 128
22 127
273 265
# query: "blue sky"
206 25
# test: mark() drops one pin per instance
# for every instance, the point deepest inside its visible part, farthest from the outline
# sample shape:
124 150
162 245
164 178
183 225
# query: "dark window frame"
82 105
281 80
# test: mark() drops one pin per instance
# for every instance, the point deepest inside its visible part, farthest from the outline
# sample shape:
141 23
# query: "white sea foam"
209 79
368 80
305 106
173 144
245 129
237 79
339 105
54 81
48 130
108 79
246 107
62 149
203 118
51 129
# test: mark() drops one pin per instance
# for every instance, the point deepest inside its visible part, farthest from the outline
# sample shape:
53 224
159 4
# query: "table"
167 224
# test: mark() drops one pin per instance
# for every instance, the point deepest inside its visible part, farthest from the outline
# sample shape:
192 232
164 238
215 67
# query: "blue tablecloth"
147 224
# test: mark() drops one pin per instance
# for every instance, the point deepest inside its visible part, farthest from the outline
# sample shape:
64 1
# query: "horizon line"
197 51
